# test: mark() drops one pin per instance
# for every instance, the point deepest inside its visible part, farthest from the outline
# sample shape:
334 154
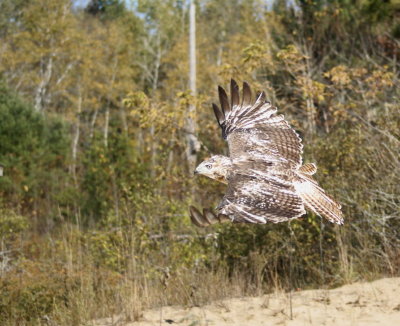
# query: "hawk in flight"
267 181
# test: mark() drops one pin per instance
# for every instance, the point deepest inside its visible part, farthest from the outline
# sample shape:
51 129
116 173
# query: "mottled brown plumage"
266 179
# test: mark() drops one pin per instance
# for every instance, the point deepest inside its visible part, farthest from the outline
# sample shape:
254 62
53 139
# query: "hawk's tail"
317 200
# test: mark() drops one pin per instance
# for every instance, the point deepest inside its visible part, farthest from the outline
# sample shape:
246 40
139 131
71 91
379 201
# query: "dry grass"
68 279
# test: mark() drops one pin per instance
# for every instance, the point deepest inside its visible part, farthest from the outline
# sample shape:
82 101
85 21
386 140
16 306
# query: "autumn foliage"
93 111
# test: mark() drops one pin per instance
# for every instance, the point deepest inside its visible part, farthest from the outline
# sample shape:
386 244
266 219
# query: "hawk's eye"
208 166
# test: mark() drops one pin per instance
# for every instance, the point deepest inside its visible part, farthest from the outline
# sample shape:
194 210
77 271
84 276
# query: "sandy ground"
375 303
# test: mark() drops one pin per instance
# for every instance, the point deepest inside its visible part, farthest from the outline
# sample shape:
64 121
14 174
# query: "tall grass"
73 276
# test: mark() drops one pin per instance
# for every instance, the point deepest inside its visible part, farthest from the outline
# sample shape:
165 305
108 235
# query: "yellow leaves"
291 55
85 62
355 89
319 90
311 88
339 112
162 115
380 79
339 75
256 52
360 80
136 100
320 14
141 108
362 85
289 52
185 99
227 70
358 73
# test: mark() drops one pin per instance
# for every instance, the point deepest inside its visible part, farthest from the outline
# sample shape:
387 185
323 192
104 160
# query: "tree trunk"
93 123
192 143
75 141
107 113
40 93
106 124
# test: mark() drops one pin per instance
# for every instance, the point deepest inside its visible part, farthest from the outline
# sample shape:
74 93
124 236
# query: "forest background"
94 113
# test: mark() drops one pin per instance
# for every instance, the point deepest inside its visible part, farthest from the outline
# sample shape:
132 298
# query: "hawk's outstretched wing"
261 199
254 131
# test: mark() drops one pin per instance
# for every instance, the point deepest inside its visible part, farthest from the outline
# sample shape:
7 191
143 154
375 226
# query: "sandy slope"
376 303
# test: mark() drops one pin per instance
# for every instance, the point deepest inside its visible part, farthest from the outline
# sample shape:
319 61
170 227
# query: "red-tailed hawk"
266 179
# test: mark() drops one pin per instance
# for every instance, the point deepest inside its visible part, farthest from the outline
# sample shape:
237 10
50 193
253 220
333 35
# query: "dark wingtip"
246 94
218 114
196 217
234 93
223 99
221 91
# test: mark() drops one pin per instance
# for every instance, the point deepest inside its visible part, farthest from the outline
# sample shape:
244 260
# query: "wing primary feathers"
218 114
234 93
250 110
208 217
223 218
246 94
261 97
259 102
223 98
196 217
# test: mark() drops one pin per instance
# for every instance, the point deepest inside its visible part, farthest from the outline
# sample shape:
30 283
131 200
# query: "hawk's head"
216 167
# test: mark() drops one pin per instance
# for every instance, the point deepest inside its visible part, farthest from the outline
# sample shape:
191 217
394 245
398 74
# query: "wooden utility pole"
192 143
